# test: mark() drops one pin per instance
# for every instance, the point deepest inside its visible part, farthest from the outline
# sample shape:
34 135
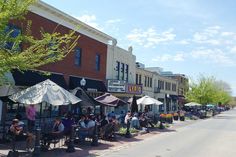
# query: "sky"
191 37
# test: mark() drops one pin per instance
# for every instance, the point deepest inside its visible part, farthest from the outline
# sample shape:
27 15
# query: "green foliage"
122 130
49 48
207 90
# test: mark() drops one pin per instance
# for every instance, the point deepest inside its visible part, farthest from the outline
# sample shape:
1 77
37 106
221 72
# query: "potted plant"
176 116
169 118
181 116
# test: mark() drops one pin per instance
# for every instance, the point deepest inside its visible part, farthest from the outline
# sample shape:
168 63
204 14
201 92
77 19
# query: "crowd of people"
84 125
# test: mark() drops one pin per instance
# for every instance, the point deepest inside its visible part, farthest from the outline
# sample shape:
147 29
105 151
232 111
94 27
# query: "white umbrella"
46 91
192 104
7 90
146 100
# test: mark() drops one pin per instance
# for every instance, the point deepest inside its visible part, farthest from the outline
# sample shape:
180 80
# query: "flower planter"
182 118
176 117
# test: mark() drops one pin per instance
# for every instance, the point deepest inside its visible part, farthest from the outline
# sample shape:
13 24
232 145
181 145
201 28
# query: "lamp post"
83 83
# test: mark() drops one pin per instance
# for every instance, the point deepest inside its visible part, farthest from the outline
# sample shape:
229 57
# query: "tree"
23 51
208 90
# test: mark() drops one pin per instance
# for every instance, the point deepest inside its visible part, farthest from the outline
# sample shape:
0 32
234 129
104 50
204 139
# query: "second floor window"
137 79
78 56
122 71
98 62
12 32
117 70
127 72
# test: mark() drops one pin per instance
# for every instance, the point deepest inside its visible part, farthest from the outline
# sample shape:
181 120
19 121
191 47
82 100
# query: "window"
13 32
168 86
127 72
174 87
117 70
160 84
150 82
140 79
78 57
145 81
136 78
122 71
97 62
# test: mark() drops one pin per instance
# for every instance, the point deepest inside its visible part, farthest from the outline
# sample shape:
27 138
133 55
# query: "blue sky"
183 36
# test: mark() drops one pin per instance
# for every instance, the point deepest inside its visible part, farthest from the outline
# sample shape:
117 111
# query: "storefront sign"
134 89
116 86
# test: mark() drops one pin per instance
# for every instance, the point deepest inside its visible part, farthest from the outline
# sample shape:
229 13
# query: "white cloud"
227 34
168 57
183 42
112 21
210 35
90 20
213 55
233 50
150 37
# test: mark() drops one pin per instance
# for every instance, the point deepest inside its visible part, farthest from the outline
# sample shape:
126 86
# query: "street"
214 137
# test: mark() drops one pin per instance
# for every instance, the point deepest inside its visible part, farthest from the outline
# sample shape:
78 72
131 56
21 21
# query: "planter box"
182 118
176 117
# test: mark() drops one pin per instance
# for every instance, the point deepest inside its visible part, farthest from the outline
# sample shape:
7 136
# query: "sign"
134 89
116 86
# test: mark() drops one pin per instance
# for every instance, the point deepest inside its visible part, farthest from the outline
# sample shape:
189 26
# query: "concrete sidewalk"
104 147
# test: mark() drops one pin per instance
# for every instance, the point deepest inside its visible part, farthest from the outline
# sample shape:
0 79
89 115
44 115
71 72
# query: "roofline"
70 19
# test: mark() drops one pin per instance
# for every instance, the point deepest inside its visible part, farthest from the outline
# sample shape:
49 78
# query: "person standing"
31 114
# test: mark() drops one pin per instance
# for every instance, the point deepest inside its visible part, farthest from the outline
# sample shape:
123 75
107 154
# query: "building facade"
89 58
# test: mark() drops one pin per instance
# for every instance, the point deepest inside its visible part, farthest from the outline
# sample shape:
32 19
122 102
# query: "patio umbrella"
134 105
7 90
147 100
86 99
190 104
210 105
110 100
46 91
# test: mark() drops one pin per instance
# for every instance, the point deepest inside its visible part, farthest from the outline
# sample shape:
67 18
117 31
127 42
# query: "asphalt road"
214 137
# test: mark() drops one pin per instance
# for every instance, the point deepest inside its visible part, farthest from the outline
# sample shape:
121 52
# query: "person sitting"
128 117
108 131
85 129
135 122
17 134
68 122
57 132
103 121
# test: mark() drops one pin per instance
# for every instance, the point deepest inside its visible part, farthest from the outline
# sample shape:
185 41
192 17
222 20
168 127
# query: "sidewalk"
104 146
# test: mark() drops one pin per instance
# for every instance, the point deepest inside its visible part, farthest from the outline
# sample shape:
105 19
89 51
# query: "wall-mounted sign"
116 86
134 89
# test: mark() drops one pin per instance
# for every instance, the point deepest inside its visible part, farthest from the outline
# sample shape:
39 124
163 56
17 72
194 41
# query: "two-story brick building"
88 60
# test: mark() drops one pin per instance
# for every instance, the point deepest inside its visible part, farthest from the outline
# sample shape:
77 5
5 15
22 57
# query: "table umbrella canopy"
190 104
86 99
210 105
7 90
46 91
147 100
110 100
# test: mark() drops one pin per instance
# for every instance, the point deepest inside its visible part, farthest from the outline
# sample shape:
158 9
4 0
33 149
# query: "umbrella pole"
40 114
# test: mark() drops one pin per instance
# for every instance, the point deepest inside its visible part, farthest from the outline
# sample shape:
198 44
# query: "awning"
174 97
90 85
110 100
30 78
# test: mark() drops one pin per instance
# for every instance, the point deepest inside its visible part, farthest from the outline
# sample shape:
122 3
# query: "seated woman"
135 122
57 132
85 129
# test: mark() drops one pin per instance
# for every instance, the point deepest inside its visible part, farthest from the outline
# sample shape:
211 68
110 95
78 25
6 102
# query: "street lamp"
83 83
